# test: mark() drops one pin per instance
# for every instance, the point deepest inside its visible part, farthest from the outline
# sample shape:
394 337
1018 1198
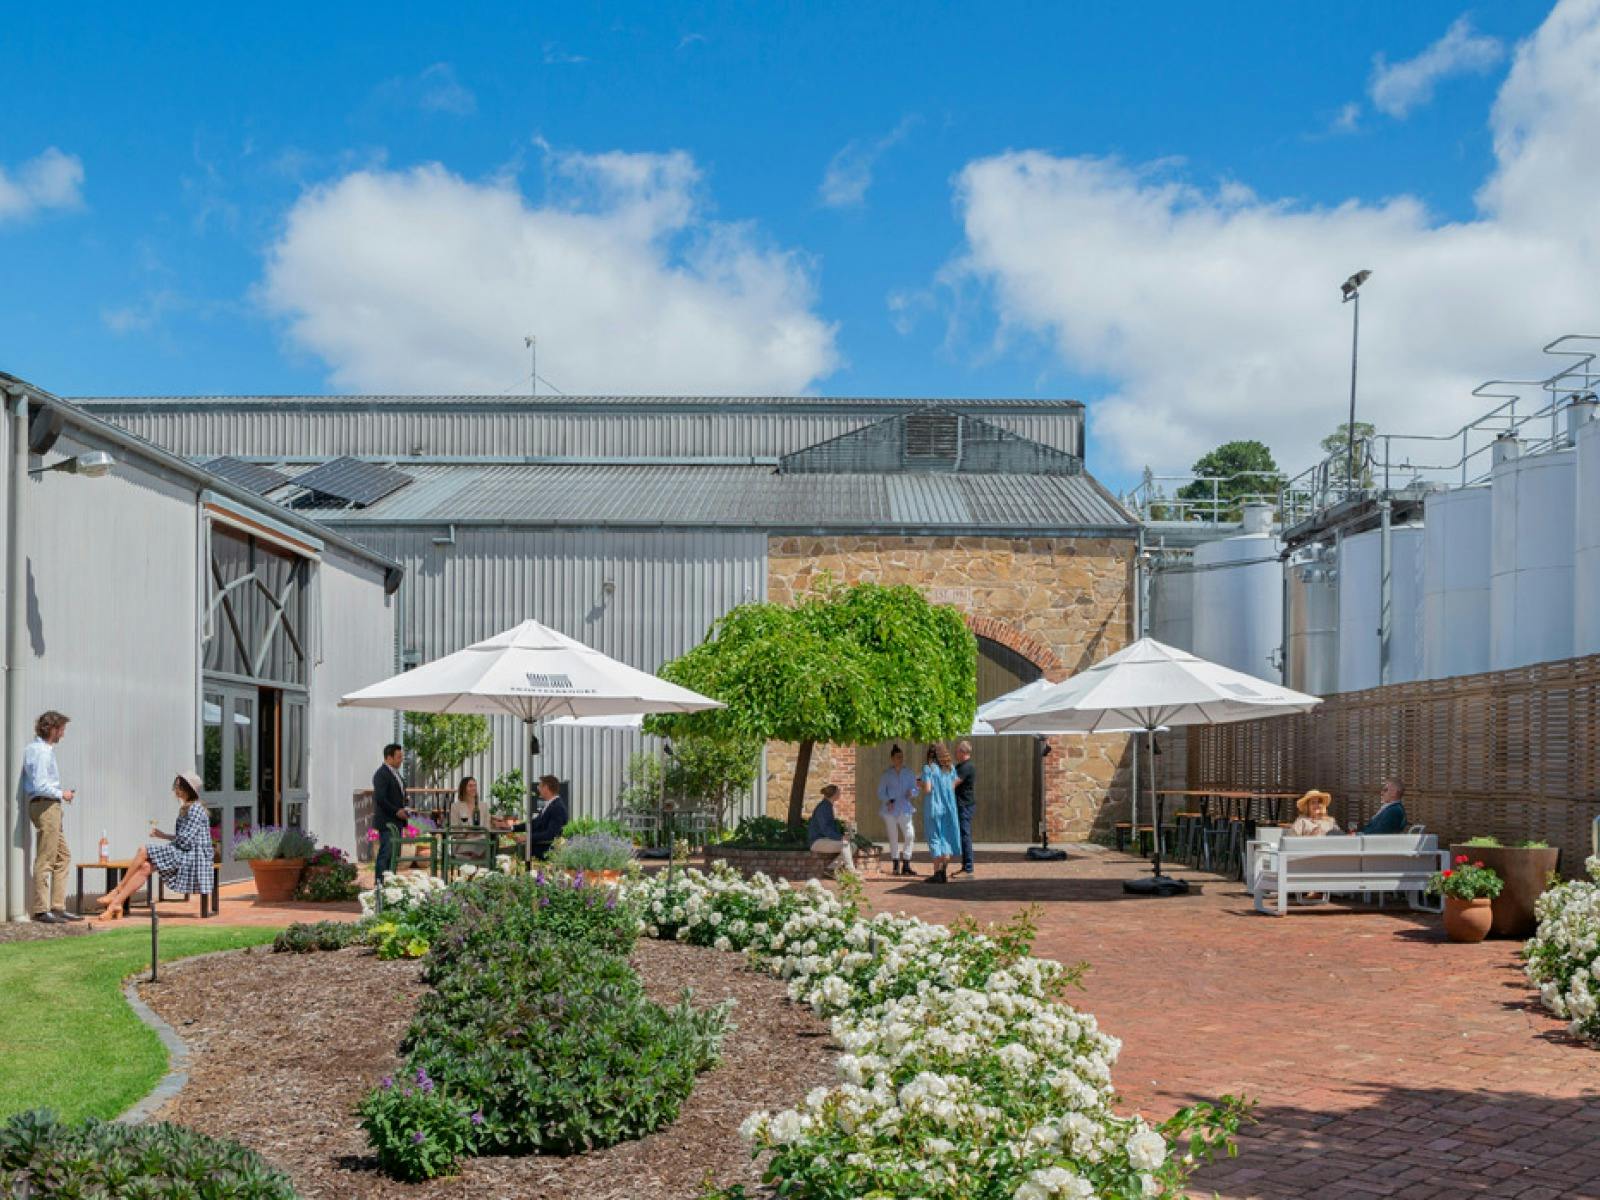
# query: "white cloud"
849 173
1348 119
1214 314
49 180
1397 88
443 92
420 280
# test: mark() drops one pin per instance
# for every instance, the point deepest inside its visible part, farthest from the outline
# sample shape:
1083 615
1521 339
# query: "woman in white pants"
897 794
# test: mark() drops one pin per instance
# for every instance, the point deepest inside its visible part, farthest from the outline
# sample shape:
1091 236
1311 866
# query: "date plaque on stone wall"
961 597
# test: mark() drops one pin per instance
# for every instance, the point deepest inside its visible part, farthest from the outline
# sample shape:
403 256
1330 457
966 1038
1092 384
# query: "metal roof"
571 403
106 431
746 497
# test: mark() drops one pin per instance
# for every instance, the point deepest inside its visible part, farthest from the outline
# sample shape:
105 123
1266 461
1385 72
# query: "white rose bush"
964 1074
1563 956
403 890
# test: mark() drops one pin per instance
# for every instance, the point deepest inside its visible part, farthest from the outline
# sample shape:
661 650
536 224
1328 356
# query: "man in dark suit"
1391 814
552 818
389 811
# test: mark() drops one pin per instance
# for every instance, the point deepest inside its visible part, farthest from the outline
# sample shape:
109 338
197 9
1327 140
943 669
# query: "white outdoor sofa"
1345 863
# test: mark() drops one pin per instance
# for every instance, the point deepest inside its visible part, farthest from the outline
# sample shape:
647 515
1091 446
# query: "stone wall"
1062 603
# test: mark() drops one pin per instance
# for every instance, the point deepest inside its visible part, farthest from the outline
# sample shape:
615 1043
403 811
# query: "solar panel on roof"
254 476
349 481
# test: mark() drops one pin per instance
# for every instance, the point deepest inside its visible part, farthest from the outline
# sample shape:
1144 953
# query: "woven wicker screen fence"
1512 754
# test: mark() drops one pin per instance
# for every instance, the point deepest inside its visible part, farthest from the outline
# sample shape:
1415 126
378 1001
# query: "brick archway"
1034 649
1055 766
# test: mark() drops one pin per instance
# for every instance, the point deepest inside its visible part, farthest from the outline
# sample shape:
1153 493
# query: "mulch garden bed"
283 1047
37 931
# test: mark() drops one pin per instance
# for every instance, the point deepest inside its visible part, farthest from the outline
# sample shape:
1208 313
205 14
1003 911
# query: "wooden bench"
1346 863
115 869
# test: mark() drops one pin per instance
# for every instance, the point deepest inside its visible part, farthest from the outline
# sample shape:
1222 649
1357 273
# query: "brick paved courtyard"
1384 1061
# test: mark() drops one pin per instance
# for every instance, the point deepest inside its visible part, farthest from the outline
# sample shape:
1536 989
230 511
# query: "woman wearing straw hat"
1313 820
184 857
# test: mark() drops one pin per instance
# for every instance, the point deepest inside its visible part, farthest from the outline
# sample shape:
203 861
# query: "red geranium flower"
1461 858
1477 864
1447 874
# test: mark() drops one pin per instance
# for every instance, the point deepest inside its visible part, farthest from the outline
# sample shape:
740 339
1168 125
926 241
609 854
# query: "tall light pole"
1351 290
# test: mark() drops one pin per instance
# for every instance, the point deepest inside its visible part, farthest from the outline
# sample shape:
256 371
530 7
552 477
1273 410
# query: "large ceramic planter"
276 878
1526 873
1467 920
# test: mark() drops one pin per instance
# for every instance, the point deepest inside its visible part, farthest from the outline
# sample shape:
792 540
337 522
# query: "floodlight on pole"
93 464
1350 290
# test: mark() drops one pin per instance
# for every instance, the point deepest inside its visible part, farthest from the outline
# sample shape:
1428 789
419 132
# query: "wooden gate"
1010 777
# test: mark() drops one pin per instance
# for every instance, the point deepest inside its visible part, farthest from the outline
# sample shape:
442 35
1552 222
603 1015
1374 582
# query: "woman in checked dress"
184 857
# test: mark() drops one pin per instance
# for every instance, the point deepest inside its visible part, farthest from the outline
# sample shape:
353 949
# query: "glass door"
228 717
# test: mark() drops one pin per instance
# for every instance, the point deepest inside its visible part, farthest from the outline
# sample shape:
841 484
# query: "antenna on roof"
532 343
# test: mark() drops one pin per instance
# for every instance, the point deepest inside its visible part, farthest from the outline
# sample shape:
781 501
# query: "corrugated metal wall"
466 432
667 588
355 647
111 625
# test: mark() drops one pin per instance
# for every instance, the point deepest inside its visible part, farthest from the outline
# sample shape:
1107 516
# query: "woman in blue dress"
939 811
184 857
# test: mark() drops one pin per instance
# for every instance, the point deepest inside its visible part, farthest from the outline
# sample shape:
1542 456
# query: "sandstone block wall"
1062 603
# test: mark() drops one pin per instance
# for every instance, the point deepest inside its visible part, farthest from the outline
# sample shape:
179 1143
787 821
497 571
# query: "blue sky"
1127 204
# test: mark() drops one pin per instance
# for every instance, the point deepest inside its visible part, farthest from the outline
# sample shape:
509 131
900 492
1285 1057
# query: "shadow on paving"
978 889
1412 1143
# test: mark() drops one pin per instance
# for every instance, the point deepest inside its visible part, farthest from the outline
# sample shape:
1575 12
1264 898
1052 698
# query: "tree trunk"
797 791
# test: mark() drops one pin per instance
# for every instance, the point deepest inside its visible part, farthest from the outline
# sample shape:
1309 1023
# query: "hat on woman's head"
193 781
1313 795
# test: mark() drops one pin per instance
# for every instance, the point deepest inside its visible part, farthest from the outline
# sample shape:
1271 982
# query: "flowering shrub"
964 1074
402 891
538 1035
1564 953
417 1129
1466 881
592 852
329 876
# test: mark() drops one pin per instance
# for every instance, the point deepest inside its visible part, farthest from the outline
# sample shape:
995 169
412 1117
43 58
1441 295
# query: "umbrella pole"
1158 884
527 792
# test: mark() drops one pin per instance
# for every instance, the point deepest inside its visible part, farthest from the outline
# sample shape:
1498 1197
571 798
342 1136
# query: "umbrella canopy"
1017 699
1145 686
531 672
613 721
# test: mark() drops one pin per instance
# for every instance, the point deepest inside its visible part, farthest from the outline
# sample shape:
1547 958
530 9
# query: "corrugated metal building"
632 523
183 622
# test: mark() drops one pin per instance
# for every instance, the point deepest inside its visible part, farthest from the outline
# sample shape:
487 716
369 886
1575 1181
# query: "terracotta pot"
1467 920
276 878
1525 872
596 878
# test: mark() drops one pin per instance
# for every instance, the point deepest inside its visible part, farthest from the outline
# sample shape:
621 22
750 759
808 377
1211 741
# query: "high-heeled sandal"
114 913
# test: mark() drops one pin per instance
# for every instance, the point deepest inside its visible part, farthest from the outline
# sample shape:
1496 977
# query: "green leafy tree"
847 666
440 742
1239 469
1337 447
715 772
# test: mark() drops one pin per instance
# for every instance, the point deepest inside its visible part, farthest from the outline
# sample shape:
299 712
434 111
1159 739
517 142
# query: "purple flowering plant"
418 1130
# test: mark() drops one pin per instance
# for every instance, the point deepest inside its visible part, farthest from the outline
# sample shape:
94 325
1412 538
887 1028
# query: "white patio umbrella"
614 721
1146 686
530 672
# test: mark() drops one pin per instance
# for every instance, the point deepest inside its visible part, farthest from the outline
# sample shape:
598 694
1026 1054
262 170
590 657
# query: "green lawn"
70 1041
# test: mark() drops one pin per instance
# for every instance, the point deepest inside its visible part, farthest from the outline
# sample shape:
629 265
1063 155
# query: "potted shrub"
328 877
1526 869
277 855
600 856
1469 889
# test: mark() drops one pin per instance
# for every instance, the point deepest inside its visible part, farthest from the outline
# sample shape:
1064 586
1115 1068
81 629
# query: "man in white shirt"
897 792
41 786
